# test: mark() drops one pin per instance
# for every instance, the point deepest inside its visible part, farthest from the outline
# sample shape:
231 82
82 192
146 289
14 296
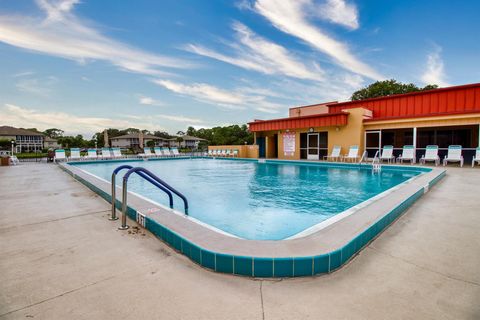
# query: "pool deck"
62 259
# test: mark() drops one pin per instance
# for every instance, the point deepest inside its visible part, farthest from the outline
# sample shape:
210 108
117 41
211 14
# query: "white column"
415 138
479 135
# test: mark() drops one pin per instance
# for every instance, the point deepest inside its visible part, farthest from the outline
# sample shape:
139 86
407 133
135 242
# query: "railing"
364 157
150 177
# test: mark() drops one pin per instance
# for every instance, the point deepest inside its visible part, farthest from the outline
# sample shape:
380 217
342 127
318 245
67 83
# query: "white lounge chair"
408 154
215 153
92 154
175 152
158 152
117 153
352 154
210 152
454 155
75 154
147 152
105 153
59 155
431 154
387 154
228 153
335 155
166 152
235 153
14 160
477 157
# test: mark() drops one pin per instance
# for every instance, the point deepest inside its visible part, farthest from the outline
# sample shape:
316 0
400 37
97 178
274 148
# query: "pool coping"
320 252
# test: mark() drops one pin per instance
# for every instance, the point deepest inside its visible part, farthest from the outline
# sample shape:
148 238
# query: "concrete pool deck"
61 258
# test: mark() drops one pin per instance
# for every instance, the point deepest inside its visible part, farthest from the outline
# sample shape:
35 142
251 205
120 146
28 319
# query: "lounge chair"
408 154
224 153
228 153
74 154
105 153
166 152
59 155
431 154
477 157
352 154
335 155
215 153
117 153
158 152
14 160
147 153
454 155
175 152
92 154
235 153
210 152
387 154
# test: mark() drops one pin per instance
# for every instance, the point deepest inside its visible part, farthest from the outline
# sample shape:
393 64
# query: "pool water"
263 201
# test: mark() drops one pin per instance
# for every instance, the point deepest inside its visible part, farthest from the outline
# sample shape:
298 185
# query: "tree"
162 134
386 88
228 135
53 133
180 133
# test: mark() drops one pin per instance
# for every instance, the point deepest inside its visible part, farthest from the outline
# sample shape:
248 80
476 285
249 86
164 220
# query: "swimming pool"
260 201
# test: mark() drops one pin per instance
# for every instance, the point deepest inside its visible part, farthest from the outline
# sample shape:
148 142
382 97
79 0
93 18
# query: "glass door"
373 142
313 143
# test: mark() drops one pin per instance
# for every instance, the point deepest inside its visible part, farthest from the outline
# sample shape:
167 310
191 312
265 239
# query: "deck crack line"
425 268
57 296
54 220
261 299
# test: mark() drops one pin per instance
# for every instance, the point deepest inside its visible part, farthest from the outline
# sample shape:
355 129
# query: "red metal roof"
443 101
320 120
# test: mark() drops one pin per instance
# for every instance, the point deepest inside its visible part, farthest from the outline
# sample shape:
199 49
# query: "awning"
318 120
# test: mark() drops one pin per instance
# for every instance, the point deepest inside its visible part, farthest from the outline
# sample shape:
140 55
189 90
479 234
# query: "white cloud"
23 74
339 12
74 124
290 16
234 99
434 72
36 86
256 53
63 34
149 101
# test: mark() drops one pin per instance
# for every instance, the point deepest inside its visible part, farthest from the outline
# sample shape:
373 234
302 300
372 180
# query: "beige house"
50 143
25 140
132 141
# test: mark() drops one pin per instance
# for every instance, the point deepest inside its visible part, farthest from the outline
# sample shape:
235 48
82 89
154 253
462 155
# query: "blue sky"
164 65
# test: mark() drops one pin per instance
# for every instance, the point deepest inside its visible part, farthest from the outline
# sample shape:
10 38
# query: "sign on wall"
288 144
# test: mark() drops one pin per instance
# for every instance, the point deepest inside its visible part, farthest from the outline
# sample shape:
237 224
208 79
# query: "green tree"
386 88
162 134
53 133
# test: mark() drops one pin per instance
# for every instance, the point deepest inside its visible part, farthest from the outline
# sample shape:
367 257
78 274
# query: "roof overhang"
320 120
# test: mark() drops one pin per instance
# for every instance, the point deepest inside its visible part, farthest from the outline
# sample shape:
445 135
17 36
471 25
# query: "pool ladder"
376 165
150 177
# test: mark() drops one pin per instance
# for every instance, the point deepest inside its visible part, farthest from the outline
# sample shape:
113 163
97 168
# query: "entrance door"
312 146
261 147
373 142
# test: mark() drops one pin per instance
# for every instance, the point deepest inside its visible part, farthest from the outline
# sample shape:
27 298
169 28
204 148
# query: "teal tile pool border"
267 267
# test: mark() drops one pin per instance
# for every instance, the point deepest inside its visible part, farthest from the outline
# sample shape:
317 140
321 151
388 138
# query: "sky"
85 65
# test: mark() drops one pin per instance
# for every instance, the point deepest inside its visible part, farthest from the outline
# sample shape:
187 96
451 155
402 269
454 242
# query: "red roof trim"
302 117
465 86
321 120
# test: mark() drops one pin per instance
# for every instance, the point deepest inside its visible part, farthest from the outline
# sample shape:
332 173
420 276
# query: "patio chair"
117 153
105 153
92 154
476 158
352 154
235 153
166 152
175 152
158 152
210 153
335 155
75 154
454 155
147 153
431 154
59 155
228 153
387 154
408 154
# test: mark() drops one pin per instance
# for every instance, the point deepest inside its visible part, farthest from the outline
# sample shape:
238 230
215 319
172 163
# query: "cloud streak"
63 34
339 12
434 71
73 124
259 54
291 17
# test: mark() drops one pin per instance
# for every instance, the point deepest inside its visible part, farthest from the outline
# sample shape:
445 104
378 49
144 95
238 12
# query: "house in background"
50 143
132 141
25 140
189 142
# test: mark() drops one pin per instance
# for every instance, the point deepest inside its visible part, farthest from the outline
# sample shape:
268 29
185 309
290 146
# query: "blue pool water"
258 200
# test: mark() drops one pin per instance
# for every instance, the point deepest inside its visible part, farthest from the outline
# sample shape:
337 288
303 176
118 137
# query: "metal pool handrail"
139 170
113 215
